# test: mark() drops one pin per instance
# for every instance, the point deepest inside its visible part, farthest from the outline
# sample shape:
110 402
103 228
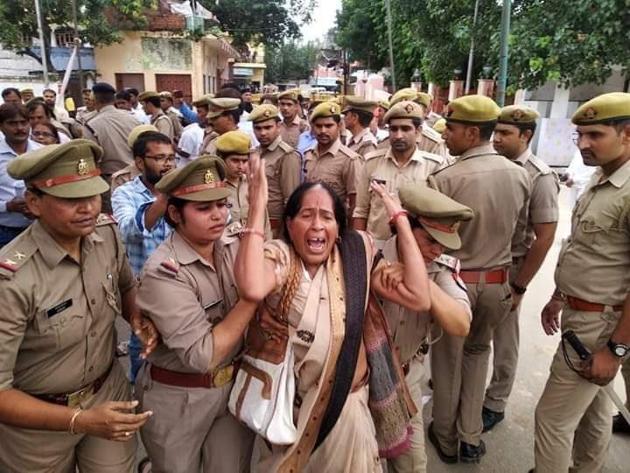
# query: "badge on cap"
208 178
82 167
590 113
517 115
409 108
333 109
266 113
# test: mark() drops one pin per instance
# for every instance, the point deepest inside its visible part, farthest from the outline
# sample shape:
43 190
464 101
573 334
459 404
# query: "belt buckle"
223 376
76 398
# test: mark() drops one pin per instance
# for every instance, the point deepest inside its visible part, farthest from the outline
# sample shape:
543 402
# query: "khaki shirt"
172 114
110 129
123 176
410 329
427 140
594 262
338 167
543 204
498 191
239 204
186 296
364 143
291 132
57 315
382 165
208 137
164 124
283 169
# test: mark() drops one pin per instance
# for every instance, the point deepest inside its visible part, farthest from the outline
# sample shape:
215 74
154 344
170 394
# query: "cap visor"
207 195
447 240
79 189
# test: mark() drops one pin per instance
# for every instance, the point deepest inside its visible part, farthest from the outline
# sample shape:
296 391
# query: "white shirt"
11 188
190 143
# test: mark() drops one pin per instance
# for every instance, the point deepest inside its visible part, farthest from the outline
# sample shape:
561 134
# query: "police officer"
292 125
166 104
224 115
512 135
330 161
573 422
434 220
400 163
282 163
150 101
358 114
187 289
498 192
64 400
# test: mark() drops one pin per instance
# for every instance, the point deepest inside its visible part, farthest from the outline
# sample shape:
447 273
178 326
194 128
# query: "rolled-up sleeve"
543 205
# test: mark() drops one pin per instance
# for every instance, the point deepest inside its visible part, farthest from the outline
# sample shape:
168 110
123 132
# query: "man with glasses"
139 210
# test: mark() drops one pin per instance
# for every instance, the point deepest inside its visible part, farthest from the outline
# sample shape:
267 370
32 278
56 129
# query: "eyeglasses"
163 158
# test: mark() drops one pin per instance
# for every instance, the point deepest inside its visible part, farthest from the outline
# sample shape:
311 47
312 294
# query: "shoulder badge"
431 134
377 153
105 219
432 157
348 152
14 257
285 147
233 230
449 261
170 266
540 165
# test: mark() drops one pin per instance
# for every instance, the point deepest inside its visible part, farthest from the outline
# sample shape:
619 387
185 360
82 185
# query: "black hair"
10 110
337 119
51 128
295 203
155 101
228 93
11 90
365 118
141 143
235 114
86 91
523 127
123 95
179 204
132 91
104 96
486 130
35 104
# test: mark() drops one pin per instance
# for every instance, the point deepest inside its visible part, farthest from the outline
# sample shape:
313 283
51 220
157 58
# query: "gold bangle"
73 420
251 231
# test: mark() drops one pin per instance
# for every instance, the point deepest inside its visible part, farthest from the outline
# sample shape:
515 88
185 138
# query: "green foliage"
18 21
290 61
261 21
572 41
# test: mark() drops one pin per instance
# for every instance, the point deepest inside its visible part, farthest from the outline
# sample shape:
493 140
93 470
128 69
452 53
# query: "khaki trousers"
446 375
413 460
490 304
35 451
573 420
191 429
505 344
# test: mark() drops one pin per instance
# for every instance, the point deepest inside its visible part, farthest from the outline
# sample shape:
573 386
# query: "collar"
359 136
478 151
140 186
333 150
618 178
295 122
107 108
185 254
274 144
54 253
523 158
6 149
416 156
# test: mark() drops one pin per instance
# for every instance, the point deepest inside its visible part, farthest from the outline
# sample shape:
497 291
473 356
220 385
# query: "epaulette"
105 219
431 156
377 153
13 258
170 266
348 152
432 135
449 261
540 165
287 148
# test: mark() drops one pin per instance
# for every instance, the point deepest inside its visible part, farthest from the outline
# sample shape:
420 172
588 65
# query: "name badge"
59 308
212 304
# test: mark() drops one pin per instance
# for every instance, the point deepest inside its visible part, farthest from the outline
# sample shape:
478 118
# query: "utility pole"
38 12
503 55
471 53
77 42
391 44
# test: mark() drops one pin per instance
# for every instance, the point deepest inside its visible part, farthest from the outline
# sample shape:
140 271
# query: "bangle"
558 296
251 231
73 421
397 215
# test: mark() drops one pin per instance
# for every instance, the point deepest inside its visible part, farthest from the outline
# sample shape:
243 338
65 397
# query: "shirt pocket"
214 311
599 233
112 294
59 331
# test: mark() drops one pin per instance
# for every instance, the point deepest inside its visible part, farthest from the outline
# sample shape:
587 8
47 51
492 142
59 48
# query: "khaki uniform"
543 208
185 296
123 176
487 242
110 128
239 205
364 143
338 167
57 336
409 330
381 164
163 123
572 414
428 140
291 132
172 114
283 169
208 137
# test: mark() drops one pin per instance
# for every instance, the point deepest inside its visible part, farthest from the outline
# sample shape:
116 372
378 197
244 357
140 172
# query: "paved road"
510 445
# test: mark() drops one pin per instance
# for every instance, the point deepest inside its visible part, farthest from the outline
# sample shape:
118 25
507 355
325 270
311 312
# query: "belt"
76 398
275 223
492 276
422 351
586 306
218 378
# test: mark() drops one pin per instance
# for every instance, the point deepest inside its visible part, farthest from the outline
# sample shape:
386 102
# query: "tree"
18 21
261 21
290 61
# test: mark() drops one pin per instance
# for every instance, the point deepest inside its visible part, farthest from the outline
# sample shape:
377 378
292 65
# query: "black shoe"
491 418
469 453
620 425
450 459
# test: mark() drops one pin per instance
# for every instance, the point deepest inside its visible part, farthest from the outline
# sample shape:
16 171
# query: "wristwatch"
520 290
618 349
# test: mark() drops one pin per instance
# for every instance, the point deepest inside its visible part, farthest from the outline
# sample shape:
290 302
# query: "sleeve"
188 114
187 145
171 302
351 176
543 205
277 252
362 208
291 171
521 223
450 282
165 127
368 147
13 324
126 279
129 217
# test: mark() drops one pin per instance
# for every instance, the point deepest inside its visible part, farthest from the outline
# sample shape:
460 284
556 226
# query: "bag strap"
353 256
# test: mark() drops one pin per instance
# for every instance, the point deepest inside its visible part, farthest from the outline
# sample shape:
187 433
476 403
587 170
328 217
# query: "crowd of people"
296 274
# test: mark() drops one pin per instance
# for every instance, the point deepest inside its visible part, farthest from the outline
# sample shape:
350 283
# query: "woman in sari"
351 403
